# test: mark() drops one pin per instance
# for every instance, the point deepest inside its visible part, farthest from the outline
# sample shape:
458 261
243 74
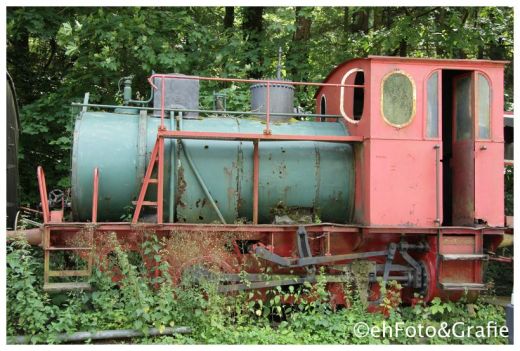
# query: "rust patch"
286 191
228 172
214 251
292 214
181 188
182 183
282 170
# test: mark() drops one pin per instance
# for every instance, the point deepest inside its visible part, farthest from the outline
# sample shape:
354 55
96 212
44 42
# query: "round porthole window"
398 99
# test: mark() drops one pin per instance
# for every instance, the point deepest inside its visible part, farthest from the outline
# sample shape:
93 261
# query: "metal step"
146 203
70 273
463 286
463 257
51 287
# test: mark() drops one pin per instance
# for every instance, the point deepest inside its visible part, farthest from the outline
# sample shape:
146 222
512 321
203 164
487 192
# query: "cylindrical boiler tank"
281 100
310 175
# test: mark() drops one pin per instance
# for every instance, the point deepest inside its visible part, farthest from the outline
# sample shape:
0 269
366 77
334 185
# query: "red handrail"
95 191
268 82
43 194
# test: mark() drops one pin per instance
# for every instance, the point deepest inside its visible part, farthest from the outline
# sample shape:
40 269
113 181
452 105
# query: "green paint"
288 170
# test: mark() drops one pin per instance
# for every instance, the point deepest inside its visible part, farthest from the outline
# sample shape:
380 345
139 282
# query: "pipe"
268 112
95 192
143 102
250 81
171 210
43 194
197 175
256 172
29 209
245 113
29 221
160 181
506 241
162 104
127 90
103 334
33 236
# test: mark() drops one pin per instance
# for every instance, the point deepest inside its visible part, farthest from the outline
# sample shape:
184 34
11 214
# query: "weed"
140 294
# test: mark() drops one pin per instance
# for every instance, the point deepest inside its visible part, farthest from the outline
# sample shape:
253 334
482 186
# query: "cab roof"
416 60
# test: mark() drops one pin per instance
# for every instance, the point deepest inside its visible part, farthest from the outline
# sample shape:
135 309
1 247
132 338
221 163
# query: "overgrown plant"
138 294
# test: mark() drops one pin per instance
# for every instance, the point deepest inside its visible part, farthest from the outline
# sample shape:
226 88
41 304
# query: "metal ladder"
157 157
48 248
475 256
48 273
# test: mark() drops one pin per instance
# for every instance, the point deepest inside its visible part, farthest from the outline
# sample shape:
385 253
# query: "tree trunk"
480 50
303 26
229 17
361 21
252 28
378 17
439 20
21 73
403 48
299 50
346 20
496 48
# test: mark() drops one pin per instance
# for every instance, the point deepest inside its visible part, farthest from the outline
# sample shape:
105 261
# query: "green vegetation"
55 55
140 301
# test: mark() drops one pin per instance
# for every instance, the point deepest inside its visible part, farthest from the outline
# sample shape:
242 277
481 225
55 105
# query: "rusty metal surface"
256 170
95 194
272 228
302 151
261 137
43 194
463 161
146 181
33 236
347 240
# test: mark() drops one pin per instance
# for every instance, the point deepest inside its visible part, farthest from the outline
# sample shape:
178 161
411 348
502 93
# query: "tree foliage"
55 55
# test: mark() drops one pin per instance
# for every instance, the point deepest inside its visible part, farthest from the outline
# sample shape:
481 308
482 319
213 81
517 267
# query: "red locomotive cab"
432 155
433 139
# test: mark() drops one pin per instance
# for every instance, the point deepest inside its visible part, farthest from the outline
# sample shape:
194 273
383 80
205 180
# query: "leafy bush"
129 295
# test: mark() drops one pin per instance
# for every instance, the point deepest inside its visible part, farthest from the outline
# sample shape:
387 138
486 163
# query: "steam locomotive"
397 175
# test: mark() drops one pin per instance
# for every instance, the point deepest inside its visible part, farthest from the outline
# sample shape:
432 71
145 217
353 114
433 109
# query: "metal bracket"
392 248
302 239
85 102
267 255
414 271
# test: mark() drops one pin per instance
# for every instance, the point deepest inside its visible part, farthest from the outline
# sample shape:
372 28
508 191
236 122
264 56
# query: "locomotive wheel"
198 274
425 279
201 269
